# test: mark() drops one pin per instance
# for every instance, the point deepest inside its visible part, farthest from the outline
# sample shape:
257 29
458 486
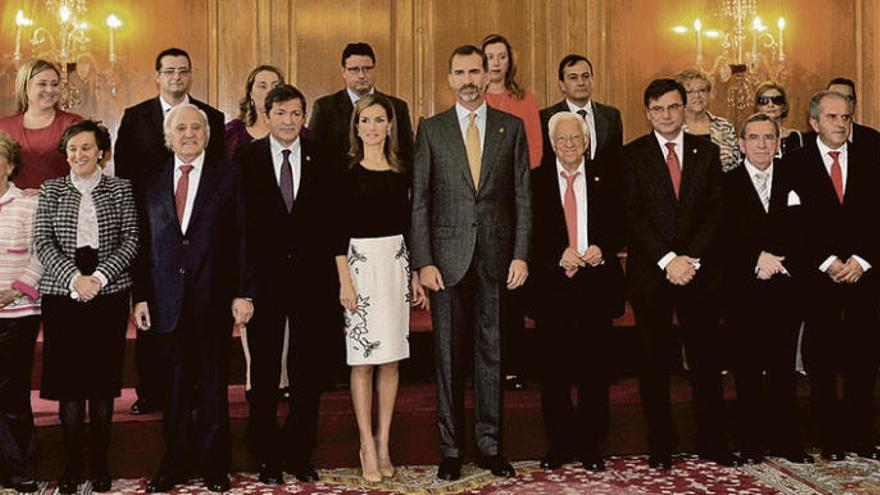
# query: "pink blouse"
527 110
41 159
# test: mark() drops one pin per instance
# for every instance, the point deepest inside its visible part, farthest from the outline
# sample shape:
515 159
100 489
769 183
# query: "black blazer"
140 142
867 137
207 267
657 223
609 132
303 239
330 122
824 226
549 286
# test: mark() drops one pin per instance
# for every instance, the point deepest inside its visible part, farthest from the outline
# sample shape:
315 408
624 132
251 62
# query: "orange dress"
41 158
527 110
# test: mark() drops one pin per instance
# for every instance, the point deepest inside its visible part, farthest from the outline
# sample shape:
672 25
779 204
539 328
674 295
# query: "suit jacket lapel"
602 125
162 194
455 145
157 119
494 134
692 164
825 178
660 171
306 172
207 185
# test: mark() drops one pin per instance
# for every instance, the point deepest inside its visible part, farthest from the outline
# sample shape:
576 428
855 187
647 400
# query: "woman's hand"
347 295
7 296
419 297
87 287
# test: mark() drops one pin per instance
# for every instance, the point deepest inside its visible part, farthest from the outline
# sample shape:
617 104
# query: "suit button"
181 271
474 224
186 242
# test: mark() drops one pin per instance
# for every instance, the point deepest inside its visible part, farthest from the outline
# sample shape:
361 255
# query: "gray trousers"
468 310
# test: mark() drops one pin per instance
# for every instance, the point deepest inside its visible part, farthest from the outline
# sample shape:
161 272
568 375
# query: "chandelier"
750 53
68 46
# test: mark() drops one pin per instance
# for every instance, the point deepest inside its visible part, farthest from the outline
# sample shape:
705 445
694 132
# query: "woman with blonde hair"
702 123
38 123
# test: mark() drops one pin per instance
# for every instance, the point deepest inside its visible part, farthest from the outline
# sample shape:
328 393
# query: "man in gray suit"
471 223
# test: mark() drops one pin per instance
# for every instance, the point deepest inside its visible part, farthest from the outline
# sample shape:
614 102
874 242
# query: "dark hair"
247 109
464 51
570 60
172 52
11 150
510 82
660 87
356 150
361 48
758 117
767 86
844 81
102 135
283 93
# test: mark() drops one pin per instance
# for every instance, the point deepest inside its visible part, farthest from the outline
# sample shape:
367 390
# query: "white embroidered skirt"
377 332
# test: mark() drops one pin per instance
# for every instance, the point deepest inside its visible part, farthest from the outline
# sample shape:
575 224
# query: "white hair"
169 118
561 116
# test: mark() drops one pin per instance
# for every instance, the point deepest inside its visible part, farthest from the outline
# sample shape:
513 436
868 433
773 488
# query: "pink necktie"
181 190
569 205
836 175
674 168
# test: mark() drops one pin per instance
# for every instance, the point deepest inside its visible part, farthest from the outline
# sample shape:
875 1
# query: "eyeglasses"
777 100
364 69
576 139
170 71
703 91
675 107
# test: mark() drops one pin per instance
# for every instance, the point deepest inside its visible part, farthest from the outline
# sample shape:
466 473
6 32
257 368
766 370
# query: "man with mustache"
471 223
140 152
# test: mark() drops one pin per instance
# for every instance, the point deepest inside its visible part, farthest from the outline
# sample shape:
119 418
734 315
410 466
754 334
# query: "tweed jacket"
55 233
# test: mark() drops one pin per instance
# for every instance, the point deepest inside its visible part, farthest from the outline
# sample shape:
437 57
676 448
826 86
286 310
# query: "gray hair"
559 117
816 102
169 118
759 117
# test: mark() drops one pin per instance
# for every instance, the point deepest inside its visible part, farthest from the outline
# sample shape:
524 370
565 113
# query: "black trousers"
763 323
842 336
575 344
146 361
194 359
17 436
698 316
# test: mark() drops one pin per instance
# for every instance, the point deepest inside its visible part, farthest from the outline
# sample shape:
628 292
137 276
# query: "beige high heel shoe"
371 475
386 469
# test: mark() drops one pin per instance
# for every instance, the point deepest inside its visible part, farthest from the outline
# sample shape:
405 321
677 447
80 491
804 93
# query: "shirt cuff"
825 264
101 278
666 259
865 265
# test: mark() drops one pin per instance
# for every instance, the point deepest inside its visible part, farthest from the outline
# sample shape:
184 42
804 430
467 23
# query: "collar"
463 112
678 140
86 184
752 170
354 97
824 149
574 108
197 163
168 106
276 147
560 169
10 195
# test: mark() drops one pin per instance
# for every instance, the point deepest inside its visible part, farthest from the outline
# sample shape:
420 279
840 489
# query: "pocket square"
793 199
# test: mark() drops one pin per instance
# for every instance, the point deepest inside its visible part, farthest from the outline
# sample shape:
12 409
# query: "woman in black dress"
770 100
86 236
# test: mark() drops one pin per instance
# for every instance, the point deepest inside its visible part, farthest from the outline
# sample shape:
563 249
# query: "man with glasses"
673 210
140 152
331 114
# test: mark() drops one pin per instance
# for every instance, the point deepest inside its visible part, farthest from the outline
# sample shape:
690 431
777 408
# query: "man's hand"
87 287
431 278
140 315
517 274
680 271
593 255
769 265
242 310
837 270
418 297
854 273
7 296
571 260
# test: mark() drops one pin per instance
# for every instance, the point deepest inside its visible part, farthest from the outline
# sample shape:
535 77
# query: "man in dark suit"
577 286
331 115
673 209
866 136
832 184
288 187
606 129
761 296
471 224
192 266
141 152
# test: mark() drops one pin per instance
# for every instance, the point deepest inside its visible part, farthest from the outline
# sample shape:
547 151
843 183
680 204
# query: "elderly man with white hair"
578 289
192 269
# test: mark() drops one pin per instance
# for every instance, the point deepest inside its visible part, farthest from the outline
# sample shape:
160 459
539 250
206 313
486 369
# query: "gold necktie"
473 149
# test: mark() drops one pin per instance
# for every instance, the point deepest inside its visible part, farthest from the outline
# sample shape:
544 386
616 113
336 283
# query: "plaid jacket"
55 233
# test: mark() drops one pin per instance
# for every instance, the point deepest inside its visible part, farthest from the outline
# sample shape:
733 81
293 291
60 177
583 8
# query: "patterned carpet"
625 476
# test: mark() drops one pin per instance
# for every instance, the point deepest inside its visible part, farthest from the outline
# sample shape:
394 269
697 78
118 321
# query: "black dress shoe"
513 382
723 458
868 452
304 472
25 486
449 469
752 457
101 484
143 406
271 475
162 483
68 485
497 465
554 460
662 462
796 456
594 464
217 483
833 455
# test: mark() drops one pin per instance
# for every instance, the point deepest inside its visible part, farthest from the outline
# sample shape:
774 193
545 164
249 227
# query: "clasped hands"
682 269
87 287
571 259
769 265
845 273
242 312
517 274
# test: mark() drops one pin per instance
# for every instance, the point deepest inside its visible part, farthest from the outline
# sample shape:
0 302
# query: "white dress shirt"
193 187
355 97
295 161
753 172
591 122
580 197
464 119
168 106
86 223
679 152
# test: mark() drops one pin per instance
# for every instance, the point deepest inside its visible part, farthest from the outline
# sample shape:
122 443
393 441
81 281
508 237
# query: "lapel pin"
595 179
309 158
694 151
500 130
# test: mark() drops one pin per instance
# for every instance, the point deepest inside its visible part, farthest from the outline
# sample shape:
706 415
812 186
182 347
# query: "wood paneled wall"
629 42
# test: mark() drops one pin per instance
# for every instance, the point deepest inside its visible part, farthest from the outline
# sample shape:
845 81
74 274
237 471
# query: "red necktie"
674 167
569 205
836 175
181 190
